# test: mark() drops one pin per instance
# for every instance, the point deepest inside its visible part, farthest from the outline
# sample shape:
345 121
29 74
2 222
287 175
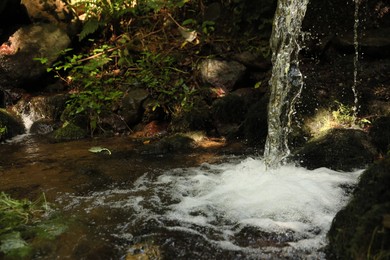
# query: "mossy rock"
337 149
10 125
362 229
68 132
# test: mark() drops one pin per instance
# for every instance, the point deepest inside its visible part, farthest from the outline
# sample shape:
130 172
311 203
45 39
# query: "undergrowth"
154 45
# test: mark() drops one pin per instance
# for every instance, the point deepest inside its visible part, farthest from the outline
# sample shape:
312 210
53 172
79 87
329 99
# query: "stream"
208 204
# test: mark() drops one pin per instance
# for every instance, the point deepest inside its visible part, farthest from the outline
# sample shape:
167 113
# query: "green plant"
14 216
94 90
14 213
111 15
3 130
345 115
165 82
23 223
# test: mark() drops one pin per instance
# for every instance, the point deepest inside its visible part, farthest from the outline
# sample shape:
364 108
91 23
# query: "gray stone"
17 64
222 74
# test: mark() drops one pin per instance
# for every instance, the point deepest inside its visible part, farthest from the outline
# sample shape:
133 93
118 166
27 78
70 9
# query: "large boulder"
55 12
17 64
337 149
362 229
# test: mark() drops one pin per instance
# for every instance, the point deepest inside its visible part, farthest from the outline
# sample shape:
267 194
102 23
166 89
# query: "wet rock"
52 11
228 112
153 129
255 126
222 74
171 144
42 127
113 122
48 107
378 107
229 109
196 118
362 228
337 149
10 125
17 64
68 132
131 106
144 251
374 43
380 134
256 238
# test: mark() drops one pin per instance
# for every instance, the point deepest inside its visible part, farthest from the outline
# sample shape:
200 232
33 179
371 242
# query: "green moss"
68 132
360 230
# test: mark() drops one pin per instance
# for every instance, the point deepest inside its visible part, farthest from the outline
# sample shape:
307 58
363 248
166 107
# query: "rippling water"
234 209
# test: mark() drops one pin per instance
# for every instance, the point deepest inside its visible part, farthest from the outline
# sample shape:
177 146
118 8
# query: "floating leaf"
99 149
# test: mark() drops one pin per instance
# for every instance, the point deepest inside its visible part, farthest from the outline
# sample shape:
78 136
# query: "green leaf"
89 27
99 149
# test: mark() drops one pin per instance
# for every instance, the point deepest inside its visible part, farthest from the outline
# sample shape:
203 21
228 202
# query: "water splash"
28 112
286 80
231 206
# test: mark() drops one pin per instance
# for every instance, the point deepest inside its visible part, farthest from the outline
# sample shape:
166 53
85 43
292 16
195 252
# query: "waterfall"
286 80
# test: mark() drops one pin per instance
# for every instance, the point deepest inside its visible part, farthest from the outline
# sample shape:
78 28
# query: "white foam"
219 201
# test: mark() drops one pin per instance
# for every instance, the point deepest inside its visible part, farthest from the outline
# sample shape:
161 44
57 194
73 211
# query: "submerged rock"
362 229
171 144
337 149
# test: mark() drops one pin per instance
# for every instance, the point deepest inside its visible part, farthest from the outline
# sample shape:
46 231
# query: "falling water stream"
356 57
239 208
286 80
